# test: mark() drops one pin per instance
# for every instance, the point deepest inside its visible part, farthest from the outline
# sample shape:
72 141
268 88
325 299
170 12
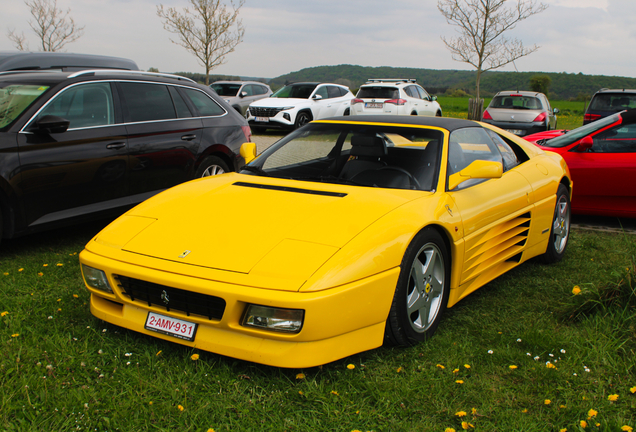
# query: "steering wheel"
412 179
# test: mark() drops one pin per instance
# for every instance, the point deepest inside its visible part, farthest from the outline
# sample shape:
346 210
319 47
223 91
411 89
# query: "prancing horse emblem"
184 254
164 297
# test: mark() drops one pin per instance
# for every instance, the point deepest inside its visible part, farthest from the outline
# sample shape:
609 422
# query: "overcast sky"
282 36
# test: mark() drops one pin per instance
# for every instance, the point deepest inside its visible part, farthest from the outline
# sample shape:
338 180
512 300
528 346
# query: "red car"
602 160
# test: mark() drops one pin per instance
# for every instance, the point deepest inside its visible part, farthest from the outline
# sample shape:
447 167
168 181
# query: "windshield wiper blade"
254 169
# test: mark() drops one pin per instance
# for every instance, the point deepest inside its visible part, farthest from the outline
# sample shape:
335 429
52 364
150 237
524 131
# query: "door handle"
188 137
116 146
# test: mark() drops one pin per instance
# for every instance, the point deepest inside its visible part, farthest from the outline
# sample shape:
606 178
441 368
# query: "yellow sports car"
346 234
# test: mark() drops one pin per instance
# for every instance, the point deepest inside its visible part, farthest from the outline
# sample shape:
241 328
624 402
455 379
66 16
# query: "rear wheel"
438 114
302 119
211 166
422 290
560 230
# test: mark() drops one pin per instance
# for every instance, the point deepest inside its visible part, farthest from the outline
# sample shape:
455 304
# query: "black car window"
333 91
468 145
515 101
378 93
612 102
621 139
182 108
83 105
226 89
259 90
146 102
411 91
204 103
510 159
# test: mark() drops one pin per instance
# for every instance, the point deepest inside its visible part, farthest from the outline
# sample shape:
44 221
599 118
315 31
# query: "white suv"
297 104
394 96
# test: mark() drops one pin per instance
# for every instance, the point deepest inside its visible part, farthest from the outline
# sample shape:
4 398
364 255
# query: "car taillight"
395 101
540 118
486 115
248 133
356 101
591 117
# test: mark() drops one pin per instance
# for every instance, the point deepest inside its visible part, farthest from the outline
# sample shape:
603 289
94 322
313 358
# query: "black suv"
81 144
606 102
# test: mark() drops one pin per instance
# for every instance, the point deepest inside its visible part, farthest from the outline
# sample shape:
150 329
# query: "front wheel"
302 119
560 230
438 114
421 294
211 166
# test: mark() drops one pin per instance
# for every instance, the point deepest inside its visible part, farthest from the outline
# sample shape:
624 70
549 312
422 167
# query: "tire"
1 224
560 230
302 119
211 166
438 114
347 112
417 307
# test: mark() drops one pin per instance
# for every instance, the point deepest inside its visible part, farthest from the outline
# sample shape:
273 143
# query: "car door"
604 176
163 136
427 106
495 213
321 108
81 170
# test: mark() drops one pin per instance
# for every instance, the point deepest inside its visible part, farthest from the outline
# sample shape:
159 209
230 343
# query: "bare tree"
214 38
481 25
54 27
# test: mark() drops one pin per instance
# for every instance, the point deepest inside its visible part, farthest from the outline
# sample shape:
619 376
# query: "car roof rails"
131 72
377 80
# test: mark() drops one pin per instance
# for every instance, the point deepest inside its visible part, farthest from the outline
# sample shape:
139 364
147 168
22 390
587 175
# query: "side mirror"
556 111
248 151
316 97
243 94
51 124
585 144
434 98
480 169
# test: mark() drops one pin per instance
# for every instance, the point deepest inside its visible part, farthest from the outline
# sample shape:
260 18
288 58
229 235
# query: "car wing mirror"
479 169
556 111
243 94
316 97
51 124
585 144
433 98
248 151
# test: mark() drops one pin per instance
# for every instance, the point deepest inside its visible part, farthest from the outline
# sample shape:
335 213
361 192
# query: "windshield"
300 91
15 99
578 133
226 89
378 93
613 102
384 156
515 102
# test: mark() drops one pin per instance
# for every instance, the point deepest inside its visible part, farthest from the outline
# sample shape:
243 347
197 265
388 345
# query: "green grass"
569 117
62 369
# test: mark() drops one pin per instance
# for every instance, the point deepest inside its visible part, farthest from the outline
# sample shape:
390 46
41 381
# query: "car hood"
250 225
279 102
520 116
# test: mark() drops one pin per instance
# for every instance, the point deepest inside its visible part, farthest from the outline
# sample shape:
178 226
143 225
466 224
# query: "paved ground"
599 223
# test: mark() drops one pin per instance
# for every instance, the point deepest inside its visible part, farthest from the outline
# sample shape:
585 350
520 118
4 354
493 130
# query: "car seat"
367 150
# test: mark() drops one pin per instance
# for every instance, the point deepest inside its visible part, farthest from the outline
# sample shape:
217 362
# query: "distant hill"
564 85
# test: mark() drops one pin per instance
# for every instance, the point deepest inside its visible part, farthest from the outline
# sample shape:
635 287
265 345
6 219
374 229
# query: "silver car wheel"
561 225
426 288
213 170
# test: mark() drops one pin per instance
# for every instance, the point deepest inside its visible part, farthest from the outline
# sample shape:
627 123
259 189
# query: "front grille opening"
171 299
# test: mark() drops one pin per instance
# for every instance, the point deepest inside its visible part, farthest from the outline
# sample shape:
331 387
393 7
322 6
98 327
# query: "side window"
422 93
203 102
249 89
468 145
333 91
182 108
259 90
410 91
322 91
147 102
84 105
509 157
621 139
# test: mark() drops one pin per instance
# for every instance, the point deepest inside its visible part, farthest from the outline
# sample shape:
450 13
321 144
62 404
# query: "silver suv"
394 96
521 112
240 94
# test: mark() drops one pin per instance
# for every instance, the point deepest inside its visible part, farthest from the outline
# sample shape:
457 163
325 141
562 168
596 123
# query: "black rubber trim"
290 189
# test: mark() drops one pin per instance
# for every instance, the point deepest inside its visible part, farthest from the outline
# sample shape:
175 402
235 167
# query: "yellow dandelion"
158 353
300 392
449 430
210 430
75 296
550 365
5 313
466 425
455 370
459 381
562 406
300 376
14 335
180 407
442 367
525 410
351 366
612 398
195 357
6 273
45 265
597 424
467 366
591 413
59 264
20 269
40 274
335 393
547 401
400 369
473 411
460 413
356 430
626 428
583 423
563 430
632 390
512 367
576 290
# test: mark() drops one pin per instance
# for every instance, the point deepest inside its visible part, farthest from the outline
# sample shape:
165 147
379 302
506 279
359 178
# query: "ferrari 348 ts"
346 234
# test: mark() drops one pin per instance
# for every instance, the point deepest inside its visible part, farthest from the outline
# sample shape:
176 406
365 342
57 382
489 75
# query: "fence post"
475 108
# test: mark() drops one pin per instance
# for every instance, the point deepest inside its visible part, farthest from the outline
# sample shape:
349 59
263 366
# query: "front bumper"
338 322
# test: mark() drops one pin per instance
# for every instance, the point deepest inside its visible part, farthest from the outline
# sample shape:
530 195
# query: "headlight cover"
274 319
95 278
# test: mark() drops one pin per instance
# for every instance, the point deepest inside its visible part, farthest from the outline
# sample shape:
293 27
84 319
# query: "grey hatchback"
521 112
240 94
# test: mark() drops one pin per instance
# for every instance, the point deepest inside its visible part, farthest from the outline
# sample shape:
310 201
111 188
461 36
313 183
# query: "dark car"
606 102
75 145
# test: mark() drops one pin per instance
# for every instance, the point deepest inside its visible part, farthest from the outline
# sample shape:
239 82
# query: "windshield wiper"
254 169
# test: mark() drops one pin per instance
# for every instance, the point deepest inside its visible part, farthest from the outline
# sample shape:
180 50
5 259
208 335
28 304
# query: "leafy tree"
53 27
540 83
153 69
206 30
481 27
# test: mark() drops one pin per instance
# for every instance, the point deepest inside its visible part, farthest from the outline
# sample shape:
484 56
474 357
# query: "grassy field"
570 116
524 353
